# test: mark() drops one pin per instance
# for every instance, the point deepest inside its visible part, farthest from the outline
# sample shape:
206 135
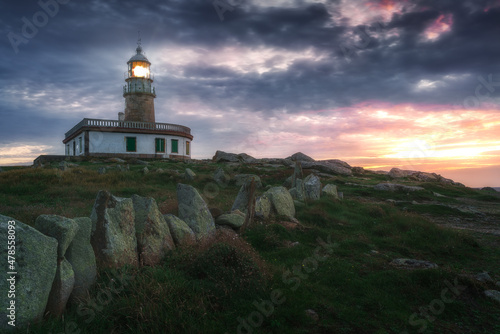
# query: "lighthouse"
139 92
136 133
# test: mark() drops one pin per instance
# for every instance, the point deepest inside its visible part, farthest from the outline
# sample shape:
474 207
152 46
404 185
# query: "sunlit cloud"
63 101
239 59
441 25
366 12
15 154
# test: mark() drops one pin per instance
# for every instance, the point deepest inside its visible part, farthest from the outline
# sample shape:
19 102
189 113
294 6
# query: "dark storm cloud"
82 50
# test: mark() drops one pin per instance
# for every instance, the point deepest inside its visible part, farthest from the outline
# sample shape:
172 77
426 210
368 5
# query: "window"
131 144
67 149
80 144
160 145
187 148
175 146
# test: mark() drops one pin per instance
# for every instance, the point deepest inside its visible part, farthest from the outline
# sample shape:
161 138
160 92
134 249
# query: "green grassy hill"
331 273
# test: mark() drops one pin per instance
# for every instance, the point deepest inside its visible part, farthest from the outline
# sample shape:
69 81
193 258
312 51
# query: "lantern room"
139 65
138 76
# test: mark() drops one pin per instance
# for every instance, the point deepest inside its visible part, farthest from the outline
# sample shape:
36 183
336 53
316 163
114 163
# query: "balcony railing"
145 89
102 123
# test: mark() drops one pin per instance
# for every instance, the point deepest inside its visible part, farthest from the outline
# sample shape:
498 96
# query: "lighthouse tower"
139 92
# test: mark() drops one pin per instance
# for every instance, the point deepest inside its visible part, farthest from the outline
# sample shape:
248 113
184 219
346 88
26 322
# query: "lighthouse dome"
139 56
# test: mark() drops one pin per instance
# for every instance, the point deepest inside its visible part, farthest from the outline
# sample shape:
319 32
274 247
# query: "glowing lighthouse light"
141 71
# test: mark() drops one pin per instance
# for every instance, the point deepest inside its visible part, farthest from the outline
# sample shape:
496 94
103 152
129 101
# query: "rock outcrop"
358 170
328 167
194 211
36 264
189 175
263 207
221 156
337 162
299 156
493 294
243 198
60 228
63 230
396 173
180 231
82 259
312 186
221 177
330 190
62 287
113 231
396 187
281 202
241 179
152 231
297 174
234 219
298 192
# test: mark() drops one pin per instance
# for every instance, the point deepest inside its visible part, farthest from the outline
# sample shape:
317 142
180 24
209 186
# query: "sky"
378 84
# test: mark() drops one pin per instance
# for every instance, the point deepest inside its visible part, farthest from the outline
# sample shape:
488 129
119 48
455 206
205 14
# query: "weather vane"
138 38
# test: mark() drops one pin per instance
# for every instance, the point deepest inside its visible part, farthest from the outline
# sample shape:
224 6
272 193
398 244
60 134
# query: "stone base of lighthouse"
139 107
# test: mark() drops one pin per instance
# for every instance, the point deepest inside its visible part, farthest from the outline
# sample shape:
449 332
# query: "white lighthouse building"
135 133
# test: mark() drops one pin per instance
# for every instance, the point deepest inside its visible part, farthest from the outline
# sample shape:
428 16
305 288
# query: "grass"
336 262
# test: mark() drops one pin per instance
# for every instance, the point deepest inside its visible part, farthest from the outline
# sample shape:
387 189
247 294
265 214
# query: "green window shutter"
160 144
175 146
131 144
